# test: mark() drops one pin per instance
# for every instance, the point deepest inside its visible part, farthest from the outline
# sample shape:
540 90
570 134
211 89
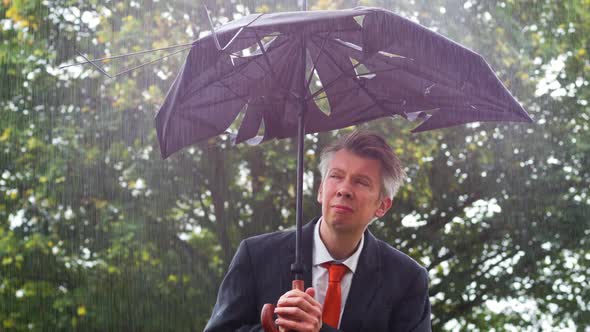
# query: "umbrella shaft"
297 267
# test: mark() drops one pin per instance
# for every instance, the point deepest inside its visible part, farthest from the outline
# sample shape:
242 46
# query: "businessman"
355 281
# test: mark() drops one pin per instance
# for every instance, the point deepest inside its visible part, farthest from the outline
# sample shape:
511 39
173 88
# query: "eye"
363 182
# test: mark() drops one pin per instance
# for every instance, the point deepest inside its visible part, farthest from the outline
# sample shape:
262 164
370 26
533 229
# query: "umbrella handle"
268 311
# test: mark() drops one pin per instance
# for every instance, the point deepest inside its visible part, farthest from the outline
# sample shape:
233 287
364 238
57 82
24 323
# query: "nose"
344 191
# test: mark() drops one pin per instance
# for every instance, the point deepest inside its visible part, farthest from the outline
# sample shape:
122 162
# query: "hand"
299 311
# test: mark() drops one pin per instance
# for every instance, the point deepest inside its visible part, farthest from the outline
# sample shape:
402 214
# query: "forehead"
349 162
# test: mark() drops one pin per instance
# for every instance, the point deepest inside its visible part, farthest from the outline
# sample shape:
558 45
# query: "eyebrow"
358 176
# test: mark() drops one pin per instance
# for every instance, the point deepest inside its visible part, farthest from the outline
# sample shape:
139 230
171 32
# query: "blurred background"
98 233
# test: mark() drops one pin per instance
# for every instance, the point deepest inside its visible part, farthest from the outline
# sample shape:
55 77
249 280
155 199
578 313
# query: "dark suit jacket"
389 290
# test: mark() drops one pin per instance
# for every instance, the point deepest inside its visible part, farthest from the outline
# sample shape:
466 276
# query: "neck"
340 245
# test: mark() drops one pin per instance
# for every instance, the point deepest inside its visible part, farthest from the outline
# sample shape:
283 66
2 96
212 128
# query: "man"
358 283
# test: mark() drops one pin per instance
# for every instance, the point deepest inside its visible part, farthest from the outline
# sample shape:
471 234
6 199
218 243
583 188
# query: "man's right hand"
299 311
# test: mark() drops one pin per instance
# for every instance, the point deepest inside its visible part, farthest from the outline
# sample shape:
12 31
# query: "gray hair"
371 146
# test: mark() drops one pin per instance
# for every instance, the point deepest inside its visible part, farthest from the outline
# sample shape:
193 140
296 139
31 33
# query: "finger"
291 313
298 308
311 292
293 325
307 313
301 303
295 295
297 313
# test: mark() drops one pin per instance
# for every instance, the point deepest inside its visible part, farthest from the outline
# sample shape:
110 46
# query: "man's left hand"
299 311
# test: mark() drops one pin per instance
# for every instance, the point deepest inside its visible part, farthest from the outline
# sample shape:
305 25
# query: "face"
350 193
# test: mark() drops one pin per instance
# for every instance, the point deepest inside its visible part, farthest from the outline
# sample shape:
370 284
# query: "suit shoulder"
394 258
269 241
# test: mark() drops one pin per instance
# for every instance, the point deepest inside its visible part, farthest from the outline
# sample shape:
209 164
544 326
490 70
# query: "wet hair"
371 146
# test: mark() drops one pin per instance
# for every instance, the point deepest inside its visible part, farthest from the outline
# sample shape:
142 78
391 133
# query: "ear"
384 206
319 198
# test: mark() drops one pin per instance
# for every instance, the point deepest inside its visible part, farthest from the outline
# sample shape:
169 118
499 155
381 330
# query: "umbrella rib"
239 32
363 88
377 72
413 68
214 33
94 64
363 110
125 55
200 121
324 87
258 41
248 56
150 62
286 33
274 77
435 79
208 104
367 107
266 59
232 91
233 39
336 94
316 59
417 71
194 92
272 73
226 75
246 36
231 72
338 78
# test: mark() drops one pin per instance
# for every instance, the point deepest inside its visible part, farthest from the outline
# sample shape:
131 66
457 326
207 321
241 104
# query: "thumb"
310 291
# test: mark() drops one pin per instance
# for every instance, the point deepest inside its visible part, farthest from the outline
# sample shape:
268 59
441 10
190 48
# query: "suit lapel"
307 244
365 282
288 256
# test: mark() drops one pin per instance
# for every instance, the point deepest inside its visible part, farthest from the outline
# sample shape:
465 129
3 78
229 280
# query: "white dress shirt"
319 275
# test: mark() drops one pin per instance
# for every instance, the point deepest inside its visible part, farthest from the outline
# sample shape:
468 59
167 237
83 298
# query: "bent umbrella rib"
363 88
316 59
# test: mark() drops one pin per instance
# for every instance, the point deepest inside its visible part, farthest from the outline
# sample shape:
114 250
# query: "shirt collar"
322 255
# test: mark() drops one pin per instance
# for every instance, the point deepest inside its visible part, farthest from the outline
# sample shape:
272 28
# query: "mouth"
342 208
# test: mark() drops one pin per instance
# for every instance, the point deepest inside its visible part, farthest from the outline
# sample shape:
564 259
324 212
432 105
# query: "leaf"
7 261
5 134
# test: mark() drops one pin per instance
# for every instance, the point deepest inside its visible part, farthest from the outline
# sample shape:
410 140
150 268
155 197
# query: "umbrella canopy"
367 63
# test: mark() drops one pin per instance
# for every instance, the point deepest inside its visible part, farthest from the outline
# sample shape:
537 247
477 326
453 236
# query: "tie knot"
336 271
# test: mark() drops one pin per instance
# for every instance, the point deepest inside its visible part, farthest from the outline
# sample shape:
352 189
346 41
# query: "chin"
343 225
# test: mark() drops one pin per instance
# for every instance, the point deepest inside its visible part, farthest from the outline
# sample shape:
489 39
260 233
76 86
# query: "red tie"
332 303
